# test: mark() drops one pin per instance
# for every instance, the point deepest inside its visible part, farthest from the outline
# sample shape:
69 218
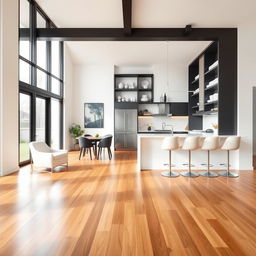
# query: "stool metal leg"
228 173
170 174
189 173
208 173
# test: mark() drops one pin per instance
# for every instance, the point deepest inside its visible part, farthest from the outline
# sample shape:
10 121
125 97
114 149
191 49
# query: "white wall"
94 84
68 96
254 120
8 86
175 85
178 123
246 80
209 120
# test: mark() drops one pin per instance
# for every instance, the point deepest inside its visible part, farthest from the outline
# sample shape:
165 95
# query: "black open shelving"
211 103
212 71
126 90
224 84
195 94
213 87
202 113
196 112
136 81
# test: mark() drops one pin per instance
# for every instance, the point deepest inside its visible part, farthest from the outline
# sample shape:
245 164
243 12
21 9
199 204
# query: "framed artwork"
93 115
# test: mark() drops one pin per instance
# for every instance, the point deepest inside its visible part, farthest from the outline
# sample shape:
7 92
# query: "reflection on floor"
107 208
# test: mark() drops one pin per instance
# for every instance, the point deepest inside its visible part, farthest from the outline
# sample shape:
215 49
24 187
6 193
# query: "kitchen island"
150 156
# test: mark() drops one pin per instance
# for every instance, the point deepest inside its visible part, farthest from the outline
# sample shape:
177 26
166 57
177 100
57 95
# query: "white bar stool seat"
209 144
170 143
190 143
231 143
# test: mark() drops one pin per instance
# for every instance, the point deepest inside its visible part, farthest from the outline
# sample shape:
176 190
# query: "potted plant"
76 131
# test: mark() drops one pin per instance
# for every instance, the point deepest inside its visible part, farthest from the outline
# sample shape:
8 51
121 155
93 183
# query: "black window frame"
31 88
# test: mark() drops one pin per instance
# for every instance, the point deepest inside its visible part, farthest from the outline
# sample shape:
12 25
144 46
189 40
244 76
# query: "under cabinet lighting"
178 117
145 116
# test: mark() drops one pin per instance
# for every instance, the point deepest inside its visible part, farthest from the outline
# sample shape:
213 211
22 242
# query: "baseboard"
5 173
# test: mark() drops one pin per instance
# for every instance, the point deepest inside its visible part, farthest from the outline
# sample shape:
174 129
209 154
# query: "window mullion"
33 42
61 51
48 61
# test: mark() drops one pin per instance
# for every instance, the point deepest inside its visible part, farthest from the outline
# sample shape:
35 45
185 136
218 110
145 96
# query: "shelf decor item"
144 98
132 89
120 86
145 84
93 115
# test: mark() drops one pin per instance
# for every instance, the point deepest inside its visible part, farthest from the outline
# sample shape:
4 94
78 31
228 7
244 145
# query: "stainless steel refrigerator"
125 129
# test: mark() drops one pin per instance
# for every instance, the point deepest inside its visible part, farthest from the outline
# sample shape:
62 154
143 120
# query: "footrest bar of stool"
173 165
192 165
211 165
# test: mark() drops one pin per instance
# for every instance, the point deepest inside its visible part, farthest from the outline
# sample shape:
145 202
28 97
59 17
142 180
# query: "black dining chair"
105 143
85 145
93 143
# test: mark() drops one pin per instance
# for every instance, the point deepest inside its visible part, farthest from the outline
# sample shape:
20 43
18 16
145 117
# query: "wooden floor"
107 208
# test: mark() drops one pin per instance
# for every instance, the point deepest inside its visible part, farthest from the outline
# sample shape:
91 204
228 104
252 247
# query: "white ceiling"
151 13
135 53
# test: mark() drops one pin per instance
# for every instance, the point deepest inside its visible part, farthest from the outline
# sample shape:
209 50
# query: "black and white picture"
93 115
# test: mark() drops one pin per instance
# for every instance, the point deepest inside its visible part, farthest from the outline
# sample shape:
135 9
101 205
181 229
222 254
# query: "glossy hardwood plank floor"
107 208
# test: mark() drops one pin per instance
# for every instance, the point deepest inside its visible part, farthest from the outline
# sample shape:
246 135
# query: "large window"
40 119
55 57
25 123
55 123
41 54
41 81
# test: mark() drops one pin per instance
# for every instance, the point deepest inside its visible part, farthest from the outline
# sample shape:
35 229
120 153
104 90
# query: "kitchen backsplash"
179 123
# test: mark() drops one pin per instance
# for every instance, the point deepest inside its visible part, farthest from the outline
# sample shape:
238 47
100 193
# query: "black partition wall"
40 82
226 38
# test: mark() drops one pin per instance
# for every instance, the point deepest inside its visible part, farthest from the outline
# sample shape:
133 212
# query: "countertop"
160 135
163 132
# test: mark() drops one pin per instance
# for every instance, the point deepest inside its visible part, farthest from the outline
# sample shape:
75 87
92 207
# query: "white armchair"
44 156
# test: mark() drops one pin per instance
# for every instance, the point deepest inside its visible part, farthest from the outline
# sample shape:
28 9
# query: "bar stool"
231 143
209 144
170 143
190 143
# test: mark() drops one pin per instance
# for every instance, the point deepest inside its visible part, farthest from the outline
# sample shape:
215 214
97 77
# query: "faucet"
164 125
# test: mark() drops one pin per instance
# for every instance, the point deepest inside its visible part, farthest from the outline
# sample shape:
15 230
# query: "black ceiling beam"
138 34
127 16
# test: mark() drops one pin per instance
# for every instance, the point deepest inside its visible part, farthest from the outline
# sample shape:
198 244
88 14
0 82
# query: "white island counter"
150 156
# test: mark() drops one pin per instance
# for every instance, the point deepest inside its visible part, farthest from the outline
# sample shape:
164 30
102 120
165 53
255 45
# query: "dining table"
95 139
